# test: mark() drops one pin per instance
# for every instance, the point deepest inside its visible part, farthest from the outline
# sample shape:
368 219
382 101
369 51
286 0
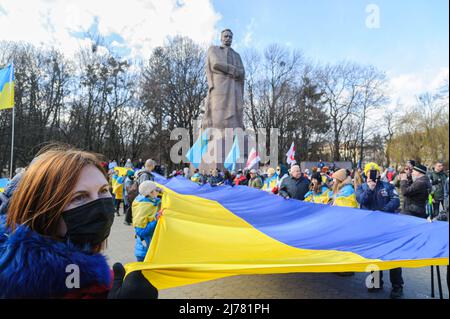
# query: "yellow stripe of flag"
7 87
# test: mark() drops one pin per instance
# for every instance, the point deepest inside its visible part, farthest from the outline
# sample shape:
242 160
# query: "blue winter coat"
144 227
34 266
383 198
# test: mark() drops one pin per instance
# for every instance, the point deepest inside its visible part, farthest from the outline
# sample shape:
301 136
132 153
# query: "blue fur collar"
32 266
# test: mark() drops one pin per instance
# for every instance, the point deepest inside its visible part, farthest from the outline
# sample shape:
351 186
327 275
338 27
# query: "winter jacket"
255 182
270 183
34 266
323 197
126 184
228 182
438 183
240 180
416 196
446 194
214 180
145 176
144 222
383 198
117 186
8 192
326 179
345 197
294 188
196 178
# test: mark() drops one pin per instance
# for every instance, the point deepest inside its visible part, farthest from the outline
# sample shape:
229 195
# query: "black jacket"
415 196
438 183
294 188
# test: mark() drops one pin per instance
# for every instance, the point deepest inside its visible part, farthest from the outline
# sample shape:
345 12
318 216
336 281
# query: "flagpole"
12 121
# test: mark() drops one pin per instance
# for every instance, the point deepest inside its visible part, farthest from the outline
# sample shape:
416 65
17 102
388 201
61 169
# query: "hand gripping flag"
7 87
291 155
207 233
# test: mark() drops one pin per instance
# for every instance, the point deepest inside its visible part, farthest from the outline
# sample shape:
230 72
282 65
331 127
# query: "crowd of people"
66 199
342 187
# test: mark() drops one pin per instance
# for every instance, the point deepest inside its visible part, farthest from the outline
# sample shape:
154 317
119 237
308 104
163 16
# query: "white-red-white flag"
291 155
253 159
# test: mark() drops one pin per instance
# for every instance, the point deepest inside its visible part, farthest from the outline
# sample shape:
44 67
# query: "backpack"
132 190
150 176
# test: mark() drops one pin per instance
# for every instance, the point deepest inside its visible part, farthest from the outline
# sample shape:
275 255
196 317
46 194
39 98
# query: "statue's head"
226 36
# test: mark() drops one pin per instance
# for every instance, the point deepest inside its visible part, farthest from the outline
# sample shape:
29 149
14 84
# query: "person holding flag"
255 180
319 193
270 183
145 207
295 186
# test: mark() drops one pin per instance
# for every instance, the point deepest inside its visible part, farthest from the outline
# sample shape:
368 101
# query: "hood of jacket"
34 266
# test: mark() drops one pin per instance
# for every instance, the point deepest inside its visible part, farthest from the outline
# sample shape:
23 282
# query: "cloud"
249 30
142 24
405 88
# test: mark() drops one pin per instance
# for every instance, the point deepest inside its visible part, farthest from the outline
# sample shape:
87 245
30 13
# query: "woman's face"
91 185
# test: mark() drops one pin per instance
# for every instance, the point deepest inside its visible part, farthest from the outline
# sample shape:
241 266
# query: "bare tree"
173 88
340 87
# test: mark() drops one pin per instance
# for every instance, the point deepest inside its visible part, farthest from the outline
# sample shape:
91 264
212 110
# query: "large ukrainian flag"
7 87
208 233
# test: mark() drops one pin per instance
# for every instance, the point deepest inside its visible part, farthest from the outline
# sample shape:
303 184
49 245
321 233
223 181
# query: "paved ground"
286 286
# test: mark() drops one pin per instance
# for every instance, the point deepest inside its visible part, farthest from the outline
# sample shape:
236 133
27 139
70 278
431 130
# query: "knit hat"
420 168
340 175
147 187
371 166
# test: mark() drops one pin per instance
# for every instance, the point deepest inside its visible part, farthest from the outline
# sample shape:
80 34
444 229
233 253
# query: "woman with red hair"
55 228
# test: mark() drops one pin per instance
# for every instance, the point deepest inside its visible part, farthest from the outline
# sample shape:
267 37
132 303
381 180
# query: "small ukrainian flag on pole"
7 87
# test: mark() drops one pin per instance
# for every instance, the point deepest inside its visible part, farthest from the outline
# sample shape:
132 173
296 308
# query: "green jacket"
255 182
438 182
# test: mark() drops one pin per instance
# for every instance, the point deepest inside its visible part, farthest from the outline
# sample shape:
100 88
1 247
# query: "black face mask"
90 223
